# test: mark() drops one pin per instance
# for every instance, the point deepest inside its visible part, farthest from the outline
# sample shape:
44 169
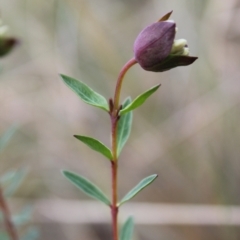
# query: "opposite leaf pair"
93 191
95 99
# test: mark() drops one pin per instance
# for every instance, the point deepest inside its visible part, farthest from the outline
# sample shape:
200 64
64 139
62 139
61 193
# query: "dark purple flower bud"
156 50
6 43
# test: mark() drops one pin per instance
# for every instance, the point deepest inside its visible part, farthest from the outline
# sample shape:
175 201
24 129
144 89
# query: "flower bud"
156 50
6 43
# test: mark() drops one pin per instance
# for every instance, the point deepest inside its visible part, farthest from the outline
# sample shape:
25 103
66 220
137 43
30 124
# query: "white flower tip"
185 51
178 46
180 43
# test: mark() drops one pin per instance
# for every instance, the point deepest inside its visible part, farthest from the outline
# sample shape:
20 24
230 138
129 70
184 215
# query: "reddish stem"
114 114
121 75
12 232
114 207
114 163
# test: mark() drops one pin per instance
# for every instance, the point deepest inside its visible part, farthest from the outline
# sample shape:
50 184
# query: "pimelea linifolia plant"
156 50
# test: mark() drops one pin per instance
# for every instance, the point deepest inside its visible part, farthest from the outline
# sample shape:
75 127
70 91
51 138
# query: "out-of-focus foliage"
187 132
10 182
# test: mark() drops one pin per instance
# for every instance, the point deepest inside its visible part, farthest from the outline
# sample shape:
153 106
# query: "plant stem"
121 75
114 207
114 168
12 232
114 110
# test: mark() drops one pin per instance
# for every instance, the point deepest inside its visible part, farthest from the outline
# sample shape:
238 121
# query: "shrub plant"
156 50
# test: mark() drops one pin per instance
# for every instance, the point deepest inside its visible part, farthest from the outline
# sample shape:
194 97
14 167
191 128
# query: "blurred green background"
188 132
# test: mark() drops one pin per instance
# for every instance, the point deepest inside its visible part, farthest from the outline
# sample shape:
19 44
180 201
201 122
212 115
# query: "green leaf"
6 137
138 101
127 229
86 93
86 186
95 145
140 186
124 127
14 182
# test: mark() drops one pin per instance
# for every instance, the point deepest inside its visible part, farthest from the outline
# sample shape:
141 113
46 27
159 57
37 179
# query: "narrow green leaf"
86 186
140 186
86 93
138 101
15 182
6 137
95 145
124 127
127 229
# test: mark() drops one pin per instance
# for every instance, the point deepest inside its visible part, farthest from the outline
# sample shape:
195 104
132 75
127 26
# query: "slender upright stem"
114 114
114 166
114 207
121 75
12 232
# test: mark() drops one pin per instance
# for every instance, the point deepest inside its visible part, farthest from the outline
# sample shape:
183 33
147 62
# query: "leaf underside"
95 145
87 94
139 187
86 186
139 100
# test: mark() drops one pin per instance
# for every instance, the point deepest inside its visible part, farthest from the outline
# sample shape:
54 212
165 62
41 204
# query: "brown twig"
10 228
